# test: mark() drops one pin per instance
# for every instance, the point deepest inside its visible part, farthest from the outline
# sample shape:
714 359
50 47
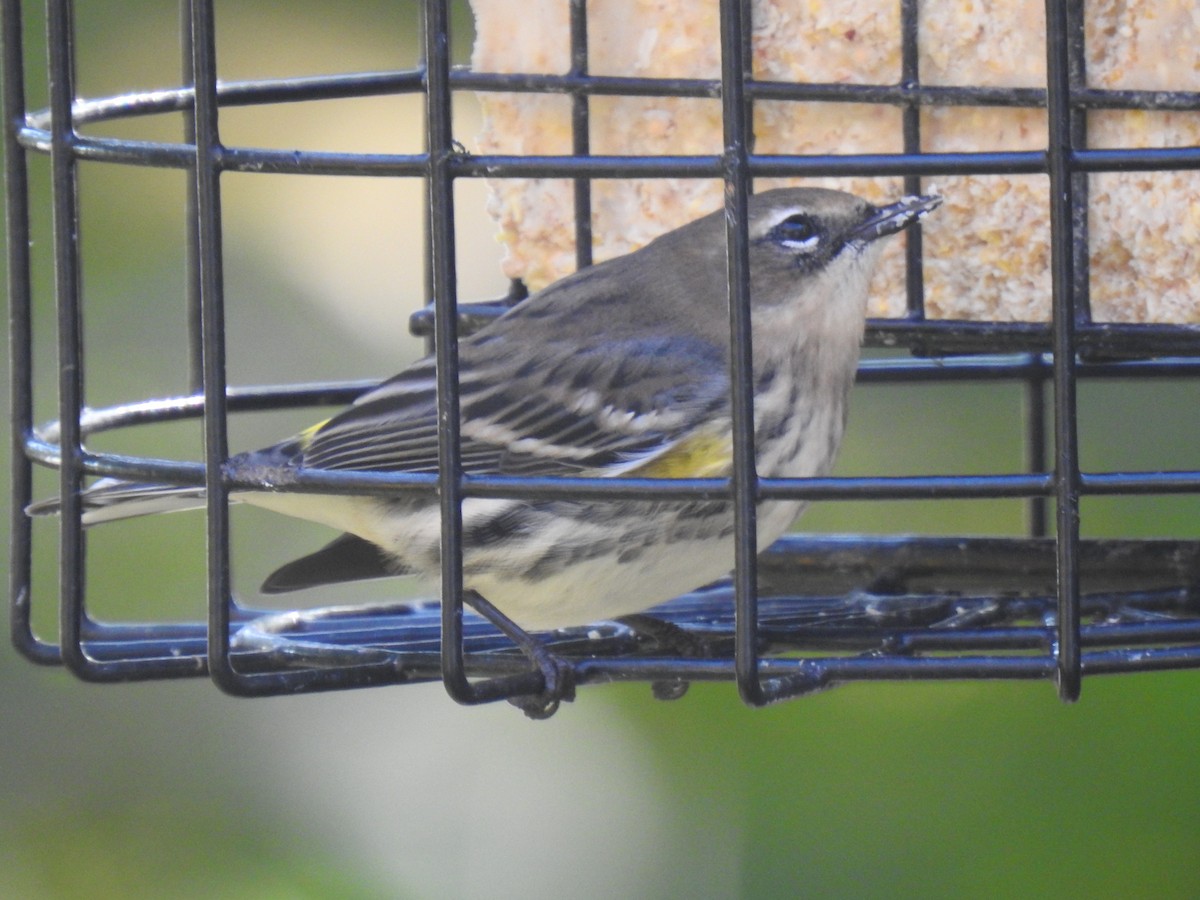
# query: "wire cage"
806 613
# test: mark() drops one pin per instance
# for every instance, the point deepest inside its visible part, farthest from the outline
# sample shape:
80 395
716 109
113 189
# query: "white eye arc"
797 232
807 244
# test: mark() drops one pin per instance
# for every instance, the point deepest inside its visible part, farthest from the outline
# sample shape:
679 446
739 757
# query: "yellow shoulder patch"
700 456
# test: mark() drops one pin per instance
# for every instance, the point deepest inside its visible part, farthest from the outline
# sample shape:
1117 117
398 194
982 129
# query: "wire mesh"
804 614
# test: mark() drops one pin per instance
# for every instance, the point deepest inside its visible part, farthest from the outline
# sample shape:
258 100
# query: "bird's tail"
111 499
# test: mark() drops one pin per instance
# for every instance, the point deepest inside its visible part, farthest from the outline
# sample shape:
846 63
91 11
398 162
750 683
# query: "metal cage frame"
1023 621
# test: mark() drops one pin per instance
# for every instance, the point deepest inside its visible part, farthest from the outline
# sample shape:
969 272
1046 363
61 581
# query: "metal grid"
994 608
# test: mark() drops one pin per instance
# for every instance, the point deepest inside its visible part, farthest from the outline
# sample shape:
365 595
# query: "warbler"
621 369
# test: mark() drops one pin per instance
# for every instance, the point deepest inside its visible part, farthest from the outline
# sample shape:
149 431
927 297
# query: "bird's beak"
895 217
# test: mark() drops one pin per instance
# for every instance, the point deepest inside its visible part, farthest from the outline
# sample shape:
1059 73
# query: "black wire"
1063 275
1081 349
20 343
61 74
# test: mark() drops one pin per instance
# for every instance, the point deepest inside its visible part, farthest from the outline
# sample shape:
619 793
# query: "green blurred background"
173 789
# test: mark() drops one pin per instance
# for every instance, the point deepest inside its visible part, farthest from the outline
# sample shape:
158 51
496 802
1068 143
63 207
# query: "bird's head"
819 245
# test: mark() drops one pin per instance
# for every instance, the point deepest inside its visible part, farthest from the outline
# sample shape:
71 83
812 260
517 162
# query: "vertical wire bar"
440 181
65 200
1062 261
1035 441
208 162
1035 393
745 475
20 342
914 246
1077 74
580 135
191 203
746 11
440 187
427 229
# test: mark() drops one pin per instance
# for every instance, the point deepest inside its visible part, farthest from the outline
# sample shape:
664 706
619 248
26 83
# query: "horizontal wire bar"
871 370
1094 340
134 660
373 84
316 162
900 487
1009 367
1099 342
1102 483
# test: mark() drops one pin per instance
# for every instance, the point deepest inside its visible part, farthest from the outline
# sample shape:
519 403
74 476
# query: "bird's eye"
797 231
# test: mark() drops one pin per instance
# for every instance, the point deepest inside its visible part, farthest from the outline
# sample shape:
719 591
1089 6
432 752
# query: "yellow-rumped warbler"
620 369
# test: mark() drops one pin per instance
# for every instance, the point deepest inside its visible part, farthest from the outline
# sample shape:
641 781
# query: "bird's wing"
560 411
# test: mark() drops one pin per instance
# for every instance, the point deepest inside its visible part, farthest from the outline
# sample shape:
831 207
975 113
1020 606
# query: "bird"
620 369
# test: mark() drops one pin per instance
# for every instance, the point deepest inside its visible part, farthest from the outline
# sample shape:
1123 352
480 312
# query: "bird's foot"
669 637
673 640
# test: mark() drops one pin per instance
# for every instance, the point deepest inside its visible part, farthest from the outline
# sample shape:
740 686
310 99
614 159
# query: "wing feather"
560 412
